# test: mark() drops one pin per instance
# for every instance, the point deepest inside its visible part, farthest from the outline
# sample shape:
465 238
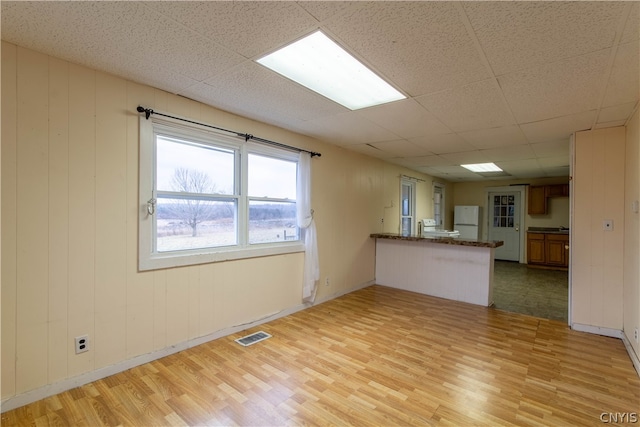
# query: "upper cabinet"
538 195
537 200
559 190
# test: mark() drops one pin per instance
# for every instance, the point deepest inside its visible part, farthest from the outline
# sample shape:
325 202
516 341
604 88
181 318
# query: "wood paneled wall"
596 254
70 228
631 292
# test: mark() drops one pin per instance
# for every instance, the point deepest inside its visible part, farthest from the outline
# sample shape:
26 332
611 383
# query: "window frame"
148 257
411 184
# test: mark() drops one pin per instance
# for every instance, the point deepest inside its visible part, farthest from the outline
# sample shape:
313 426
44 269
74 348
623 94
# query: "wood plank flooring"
378 356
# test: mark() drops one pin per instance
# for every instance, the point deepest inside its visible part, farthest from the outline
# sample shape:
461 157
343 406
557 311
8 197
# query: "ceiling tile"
632 28
323 10
520 35
370 150
557 89
347 129
76 31
420 46
201 60
527 168
494 137
440 144
554 162
426 161
467 157
401 148
558 148
559 171
474 106
624 85
558 128
512 152
405 118
616 113
248 27
610 124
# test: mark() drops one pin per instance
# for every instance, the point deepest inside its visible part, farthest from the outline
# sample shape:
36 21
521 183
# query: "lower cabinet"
548 249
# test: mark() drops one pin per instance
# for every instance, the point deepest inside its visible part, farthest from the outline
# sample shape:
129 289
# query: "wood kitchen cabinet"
537 200
558 190
539 195
549 250
535 248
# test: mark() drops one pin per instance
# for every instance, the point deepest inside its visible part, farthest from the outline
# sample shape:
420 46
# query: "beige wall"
631 292
69 227
597 255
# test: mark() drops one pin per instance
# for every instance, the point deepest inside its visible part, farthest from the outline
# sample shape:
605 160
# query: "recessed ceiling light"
319 64
482 167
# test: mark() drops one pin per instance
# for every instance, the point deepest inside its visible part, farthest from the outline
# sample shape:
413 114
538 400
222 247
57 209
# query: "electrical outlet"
326 281
82 344
635 335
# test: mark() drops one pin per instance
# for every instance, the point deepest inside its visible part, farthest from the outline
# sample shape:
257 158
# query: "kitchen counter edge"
443 240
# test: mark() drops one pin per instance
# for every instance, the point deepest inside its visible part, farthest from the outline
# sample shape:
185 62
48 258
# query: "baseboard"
614 333
632 354
82 379
597 330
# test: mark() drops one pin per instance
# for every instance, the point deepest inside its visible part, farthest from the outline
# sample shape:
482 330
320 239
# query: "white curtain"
307 228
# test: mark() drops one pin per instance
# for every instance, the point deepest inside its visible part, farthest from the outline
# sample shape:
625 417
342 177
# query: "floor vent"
253 338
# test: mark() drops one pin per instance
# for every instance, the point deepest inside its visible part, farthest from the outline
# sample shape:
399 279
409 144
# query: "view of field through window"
198 197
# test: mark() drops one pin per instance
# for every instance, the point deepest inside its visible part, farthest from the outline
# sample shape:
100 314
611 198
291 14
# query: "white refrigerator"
467 219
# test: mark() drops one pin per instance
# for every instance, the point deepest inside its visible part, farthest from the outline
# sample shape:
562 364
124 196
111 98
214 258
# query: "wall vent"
253 338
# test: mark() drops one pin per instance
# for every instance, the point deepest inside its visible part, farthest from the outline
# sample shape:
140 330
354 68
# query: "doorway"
517 287
504 223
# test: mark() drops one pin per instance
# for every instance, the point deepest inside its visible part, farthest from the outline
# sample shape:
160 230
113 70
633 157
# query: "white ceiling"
506 82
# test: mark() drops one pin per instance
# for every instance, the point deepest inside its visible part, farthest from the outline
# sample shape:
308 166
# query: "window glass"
183 224
193 168
272 222
271 177
272 194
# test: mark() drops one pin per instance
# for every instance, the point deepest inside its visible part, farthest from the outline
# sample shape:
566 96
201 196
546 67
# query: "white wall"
69 228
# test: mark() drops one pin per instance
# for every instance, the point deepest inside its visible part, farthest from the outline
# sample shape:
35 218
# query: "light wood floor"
378 356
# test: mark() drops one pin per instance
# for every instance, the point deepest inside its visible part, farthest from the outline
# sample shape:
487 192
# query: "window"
407 206
438 204
206 196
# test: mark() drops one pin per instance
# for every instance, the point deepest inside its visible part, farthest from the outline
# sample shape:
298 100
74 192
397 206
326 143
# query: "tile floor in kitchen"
536 292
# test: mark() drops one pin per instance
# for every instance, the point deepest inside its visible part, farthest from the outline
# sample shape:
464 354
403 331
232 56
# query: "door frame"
514 189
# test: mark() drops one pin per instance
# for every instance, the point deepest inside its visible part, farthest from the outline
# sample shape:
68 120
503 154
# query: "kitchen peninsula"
451 268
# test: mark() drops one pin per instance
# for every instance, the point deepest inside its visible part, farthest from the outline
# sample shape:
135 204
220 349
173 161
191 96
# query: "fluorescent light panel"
482 167
319 64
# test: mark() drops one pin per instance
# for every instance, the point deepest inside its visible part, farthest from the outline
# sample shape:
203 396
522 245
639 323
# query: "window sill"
160 261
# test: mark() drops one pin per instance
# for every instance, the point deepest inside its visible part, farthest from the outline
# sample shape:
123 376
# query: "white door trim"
513 188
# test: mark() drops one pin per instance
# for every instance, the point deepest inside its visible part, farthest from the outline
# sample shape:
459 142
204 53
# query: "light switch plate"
607 225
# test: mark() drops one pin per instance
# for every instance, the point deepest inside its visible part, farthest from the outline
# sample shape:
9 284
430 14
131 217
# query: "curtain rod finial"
147 111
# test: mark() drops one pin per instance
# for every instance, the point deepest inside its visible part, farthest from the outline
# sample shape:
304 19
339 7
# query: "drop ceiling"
503 82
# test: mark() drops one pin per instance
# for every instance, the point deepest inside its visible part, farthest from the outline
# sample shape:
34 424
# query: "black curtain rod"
148 112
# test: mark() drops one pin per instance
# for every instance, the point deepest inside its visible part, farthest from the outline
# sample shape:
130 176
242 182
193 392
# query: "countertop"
443 240
548 230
